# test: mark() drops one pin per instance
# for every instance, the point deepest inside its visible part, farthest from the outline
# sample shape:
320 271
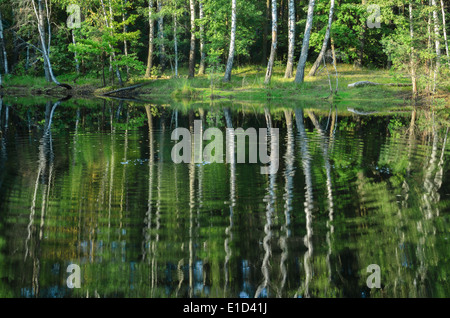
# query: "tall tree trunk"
125 43
162 49
45 54
150 39
413 60
110 27
3 47
192 42
227 76
319 59
300 75
41 28
273 48
265 33
362 41
437 44
77 63
445 32
175 42
201 70
291 36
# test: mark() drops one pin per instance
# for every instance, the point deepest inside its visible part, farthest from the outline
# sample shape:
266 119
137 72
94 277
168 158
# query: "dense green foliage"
114 36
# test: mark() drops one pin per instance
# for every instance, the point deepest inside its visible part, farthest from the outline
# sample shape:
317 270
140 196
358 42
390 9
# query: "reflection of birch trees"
270 202
45 174
231 160
288 196
306 163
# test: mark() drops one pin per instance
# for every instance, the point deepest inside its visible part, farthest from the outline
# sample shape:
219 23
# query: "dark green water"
99 189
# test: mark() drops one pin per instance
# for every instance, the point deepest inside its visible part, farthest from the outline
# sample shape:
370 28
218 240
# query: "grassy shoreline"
247 84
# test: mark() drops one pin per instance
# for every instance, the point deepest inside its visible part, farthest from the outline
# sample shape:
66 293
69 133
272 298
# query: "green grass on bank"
247 84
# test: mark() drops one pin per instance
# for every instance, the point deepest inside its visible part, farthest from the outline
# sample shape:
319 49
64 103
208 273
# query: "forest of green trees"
114 40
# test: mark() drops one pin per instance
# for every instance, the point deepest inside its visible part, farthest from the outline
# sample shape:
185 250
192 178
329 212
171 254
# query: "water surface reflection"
92 183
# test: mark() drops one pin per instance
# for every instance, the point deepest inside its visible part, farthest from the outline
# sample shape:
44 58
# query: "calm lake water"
92 183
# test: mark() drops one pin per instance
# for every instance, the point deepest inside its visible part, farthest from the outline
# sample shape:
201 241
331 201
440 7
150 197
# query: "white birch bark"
445 32
291 37
150 39
300 75
273 48
319 59
201 69
437 44
192 42
3 44
227 76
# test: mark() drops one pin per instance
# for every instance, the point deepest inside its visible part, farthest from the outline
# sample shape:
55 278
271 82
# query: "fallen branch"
367 83
129 88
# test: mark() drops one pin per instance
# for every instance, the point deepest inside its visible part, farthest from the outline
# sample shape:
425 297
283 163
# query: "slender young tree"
151 36
413 59
39 12
162 49
444 29
192 42
227 76
109 25
201 69
319 59
175 37
300 75
3 46
291 37
437 44
273 48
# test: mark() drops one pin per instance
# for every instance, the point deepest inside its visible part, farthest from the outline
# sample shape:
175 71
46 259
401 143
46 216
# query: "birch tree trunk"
314 68
273 48
413 65
227 76
162 49
175 42
3 46
201 70
192 42
41 27
291 36
109 26
125 44
77 63
445 32
47 64
300 75
151 37
437 44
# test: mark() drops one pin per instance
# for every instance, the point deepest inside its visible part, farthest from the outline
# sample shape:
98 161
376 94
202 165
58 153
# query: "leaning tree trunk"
413 60
273 47
3 46
227 76
162 49
445 32
151 37
291 36
300 75
192 42
319 59
201 69
44 46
